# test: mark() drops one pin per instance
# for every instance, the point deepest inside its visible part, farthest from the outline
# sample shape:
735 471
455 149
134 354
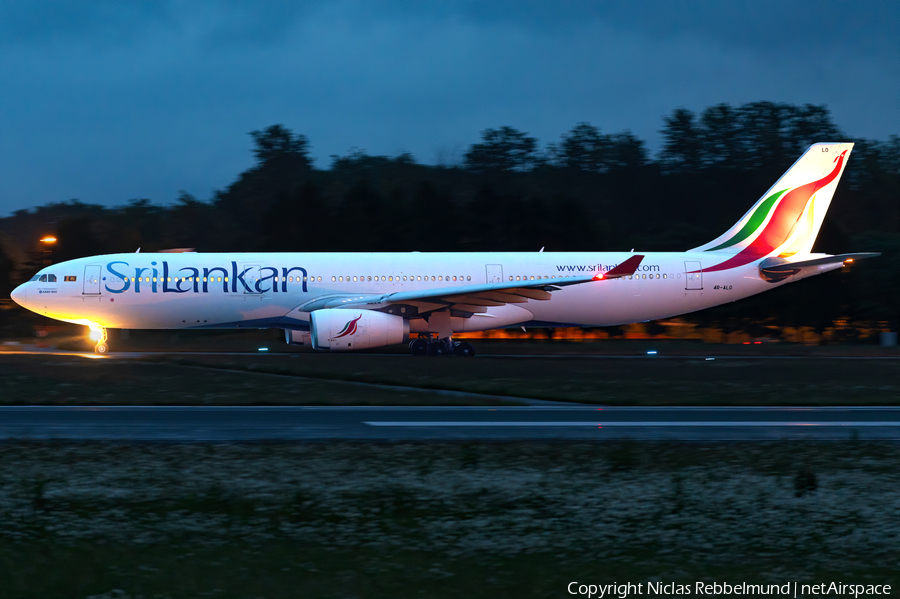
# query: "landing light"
95 335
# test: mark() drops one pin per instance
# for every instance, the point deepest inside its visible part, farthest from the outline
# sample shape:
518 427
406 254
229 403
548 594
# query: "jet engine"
343 330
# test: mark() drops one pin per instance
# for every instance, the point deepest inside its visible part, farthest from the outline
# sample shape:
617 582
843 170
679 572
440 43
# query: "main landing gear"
102 346
426 346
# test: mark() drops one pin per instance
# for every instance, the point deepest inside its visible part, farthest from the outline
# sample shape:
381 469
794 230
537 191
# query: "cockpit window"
43 279
34 278
51 278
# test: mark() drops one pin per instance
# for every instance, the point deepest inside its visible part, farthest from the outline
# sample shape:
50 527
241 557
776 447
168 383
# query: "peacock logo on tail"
349 328
787 208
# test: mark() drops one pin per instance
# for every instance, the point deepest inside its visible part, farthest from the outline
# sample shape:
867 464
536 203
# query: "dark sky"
110 101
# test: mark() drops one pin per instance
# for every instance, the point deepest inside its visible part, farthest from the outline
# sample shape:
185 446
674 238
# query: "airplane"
355 301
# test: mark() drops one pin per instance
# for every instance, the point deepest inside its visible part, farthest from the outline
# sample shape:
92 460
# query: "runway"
199 424
126 355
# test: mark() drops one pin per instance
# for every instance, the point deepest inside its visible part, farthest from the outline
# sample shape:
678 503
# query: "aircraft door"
494 273
251 277
693 274
91 280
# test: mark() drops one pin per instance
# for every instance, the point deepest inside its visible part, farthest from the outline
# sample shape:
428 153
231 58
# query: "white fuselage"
272 290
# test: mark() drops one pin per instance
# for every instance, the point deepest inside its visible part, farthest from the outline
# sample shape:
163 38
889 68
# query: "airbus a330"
353 301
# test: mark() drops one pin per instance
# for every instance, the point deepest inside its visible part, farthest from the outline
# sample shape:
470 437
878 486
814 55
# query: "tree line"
588 191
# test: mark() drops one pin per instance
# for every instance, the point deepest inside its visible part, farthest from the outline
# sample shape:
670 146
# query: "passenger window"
70 279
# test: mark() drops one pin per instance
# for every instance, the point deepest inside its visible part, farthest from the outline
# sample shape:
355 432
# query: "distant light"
652 352
848 260
264 349
708 359
757 342
48 239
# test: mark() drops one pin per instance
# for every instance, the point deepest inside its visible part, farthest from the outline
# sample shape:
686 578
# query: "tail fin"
786 220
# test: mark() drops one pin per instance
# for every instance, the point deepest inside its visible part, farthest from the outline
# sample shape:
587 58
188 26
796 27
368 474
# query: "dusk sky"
112 101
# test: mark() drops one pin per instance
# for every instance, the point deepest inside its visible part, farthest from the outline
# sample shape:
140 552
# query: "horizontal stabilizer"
626 269
774 270
775 265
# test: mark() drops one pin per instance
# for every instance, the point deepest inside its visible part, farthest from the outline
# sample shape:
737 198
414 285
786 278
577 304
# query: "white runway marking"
623 423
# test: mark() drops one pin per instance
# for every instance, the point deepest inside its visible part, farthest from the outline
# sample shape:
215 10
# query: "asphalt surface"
121 355
191 424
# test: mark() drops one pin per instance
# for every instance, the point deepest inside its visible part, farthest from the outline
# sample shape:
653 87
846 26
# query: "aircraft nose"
19 294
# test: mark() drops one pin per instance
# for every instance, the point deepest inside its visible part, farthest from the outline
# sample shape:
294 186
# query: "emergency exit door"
494 273
91 280
251 278
693 275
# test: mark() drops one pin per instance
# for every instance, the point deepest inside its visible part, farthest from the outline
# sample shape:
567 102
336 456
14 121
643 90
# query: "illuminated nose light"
96 331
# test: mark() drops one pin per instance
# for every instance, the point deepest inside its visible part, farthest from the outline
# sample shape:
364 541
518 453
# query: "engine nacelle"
345 330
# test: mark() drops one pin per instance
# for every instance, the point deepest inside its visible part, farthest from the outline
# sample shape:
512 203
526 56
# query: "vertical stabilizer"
786 220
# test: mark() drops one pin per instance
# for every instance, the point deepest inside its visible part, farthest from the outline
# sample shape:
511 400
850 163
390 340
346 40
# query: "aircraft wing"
470 298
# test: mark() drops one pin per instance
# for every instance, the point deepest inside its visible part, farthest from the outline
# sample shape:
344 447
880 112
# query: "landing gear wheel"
437 348
418 347
101 348
466 350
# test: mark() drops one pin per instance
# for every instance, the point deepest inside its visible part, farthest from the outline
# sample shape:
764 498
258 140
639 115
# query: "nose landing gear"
426 346
102 347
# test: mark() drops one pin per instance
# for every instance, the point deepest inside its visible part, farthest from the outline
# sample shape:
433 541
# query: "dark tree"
76 239
682 146
584 148
503 149
277 141
719 137
298 222
6 268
